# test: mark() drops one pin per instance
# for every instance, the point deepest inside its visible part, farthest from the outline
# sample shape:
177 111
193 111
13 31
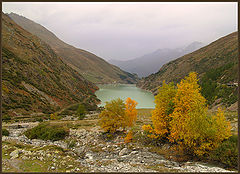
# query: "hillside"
92 67
152 62
34 78
216 65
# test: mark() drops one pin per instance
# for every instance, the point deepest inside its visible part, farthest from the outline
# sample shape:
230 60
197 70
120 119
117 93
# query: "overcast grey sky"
129 30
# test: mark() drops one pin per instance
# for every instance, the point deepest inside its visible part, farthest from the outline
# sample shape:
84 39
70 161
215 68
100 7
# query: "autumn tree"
182 116
118 114
191 126
113 116
161 114
130 112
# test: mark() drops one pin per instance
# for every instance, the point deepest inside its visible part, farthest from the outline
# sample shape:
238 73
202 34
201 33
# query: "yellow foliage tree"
182 116
161 114
131 112
113 116
119 115
221 126
191 127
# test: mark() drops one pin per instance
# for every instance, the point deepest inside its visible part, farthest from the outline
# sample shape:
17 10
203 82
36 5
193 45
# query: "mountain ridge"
216 65
92 67
34 77
152 62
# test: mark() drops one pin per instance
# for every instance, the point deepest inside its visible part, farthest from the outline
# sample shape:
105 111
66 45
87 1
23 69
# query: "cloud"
128 30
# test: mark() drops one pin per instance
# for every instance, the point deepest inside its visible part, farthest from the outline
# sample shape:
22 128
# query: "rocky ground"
86 150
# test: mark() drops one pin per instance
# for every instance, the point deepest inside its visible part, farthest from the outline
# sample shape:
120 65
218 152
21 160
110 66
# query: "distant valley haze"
124 31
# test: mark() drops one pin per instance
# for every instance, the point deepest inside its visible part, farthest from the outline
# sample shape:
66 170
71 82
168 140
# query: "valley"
65 109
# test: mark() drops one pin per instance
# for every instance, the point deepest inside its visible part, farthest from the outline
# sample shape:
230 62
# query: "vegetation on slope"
92 67
216 65
34 78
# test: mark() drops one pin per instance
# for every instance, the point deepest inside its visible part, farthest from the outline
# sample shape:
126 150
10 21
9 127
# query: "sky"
124 31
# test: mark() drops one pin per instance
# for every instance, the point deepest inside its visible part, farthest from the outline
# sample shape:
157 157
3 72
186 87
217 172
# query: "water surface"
109 92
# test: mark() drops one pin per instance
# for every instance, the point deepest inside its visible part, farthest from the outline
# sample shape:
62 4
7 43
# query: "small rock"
53 168
123 151
133 152
14 154
89 156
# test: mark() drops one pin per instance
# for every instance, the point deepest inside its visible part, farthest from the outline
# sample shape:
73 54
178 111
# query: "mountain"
92 67
34 77
151 63
216 65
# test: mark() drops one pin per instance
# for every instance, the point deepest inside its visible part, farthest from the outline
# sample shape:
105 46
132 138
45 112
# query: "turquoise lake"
109 92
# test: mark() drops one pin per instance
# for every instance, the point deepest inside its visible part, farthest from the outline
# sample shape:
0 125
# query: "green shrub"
46 131
6 118
39 119
5 132
227 152
81 112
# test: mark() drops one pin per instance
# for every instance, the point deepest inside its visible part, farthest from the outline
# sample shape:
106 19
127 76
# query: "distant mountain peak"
152 62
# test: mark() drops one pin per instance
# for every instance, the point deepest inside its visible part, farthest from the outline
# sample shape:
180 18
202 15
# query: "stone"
53 168
14 154
133 152
123 151
89 156
80 151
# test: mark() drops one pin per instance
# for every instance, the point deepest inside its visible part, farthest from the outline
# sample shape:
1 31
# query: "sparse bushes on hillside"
181 117
47 131
213 86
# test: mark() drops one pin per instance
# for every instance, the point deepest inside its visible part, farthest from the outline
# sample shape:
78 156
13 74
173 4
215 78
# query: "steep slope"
151 63
34 78
216 65
89 65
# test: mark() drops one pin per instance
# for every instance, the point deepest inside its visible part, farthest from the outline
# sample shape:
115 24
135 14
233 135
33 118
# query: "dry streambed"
86 151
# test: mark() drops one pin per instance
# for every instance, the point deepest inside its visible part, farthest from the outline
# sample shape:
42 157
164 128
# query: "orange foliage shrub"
129 137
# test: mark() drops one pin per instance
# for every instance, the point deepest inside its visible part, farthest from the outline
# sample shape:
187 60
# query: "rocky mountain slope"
92 67
151 63
216 65
34 78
